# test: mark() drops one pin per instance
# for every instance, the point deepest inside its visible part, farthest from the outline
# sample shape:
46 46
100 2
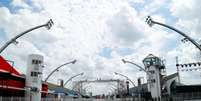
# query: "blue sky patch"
15 9
106 52
2 35
125 51
34 8
7 4
172 43
167 14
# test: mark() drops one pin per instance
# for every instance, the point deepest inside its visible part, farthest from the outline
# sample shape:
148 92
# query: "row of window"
151 71
152 80
36 62
35 74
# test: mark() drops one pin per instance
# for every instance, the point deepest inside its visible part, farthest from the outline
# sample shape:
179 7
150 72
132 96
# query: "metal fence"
187 96
13 98
66 99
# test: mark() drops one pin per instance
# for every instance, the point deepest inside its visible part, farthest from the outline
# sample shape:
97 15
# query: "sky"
99 33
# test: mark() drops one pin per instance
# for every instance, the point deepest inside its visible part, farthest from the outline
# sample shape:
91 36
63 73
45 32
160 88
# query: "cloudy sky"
99 33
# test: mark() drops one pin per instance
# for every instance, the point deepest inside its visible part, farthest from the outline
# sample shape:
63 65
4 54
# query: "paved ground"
98 100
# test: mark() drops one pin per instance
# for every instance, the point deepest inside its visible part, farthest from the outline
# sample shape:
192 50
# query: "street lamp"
73 77
141 68
113 86
112 89
57 69
48 25
150 22
86 88
125 77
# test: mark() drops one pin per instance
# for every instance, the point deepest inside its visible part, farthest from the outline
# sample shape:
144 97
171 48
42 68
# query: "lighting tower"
155 67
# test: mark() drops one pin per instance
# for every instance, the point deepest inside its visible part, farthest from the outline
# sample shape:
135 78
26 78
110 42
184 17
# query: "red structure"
12 83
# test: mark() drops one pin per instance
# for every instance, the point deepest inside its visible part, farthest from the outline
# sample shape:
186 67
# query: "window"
36 62
32 74
33 61
153 80
35 74
152 72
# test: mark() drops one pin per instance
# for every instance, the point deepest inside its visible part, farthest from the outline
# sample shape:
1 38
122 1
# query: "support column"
34 78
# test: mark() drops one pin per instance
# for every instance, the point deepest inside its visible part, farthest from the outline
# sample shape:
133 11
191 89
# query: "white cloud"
19 3
81 29
5 15
179 8
189 22
74 35
126 27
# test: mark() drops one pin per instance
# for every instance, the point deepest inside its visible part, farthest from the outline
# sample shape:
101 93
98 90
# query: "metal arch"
126 78
58 69
72 78
48 25
94 81
141 68
150 22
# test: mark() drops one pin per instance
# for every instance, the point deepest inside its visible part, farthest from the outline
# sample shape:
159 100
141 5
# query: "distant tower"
127 87
154 67
139 81
34 77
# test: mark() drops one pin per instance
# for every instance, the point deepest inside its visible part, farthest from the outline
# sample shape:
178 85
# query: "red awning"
7 68
11 79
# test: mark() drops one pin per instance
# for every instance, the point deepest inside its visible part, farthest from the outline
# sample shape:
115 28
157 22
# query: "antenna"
177 65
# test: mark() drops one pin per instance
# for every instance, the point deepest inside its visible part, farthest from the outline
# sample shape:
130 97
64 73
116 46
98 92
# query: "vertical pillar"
139 88
155 85
118 88
177 64
34 77
127 87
